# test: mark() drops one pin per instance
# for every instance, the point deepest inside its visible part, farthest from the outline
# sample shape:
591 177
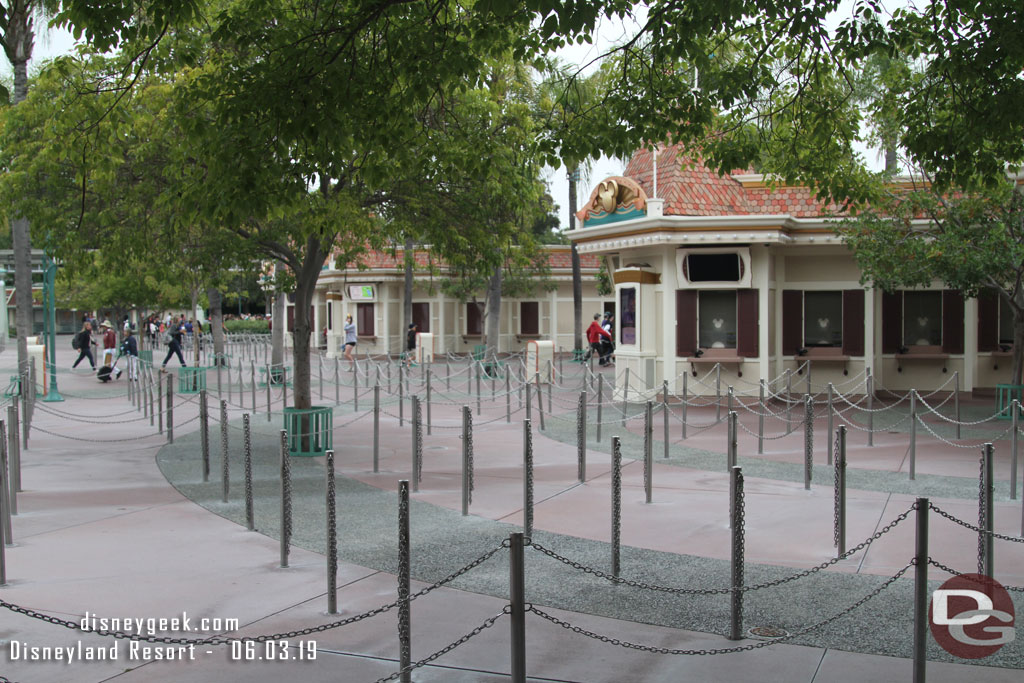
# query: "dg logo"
971 616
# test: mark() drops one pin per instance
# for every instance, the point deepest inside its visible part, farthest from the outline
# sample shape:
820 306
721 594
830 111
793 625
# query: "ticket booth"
424 347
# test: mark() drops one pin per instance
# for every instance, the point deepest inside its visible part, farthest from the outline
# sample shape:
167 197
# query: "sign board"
424 347
361 293
540 359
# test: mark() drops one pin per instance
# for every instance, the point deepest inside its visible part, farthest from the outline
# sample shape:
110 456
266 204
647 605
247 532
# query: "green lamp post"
50 324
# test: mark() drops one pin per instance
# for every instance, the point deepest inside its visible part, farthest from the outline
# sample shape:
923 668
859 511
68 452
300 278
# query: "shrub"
248 326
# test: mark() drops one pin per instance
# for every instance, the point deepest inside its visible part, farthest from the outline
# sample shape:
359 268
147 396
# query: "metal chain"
835 492
581 433
404 627
738 576
286 508
968 525
950 570
982 513
486 624
721 651
809 436
418 444
82 438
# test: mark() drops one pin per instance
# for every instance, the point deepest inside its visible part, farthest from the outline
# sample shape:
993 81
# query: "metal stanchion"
581 437
250 515
1015 408
332 539
417 445
648 451
337 381
5 493
829 428
355 394
527 402
252 386
401 403
600 402
268 392
284 386
808 441
921 591
517 606
3 533
479 371
789 401
448 374
170 411
160 402
320 375
729 397
149 394
225 475
204 434
956 401
736 524
616 505
467 459
718 393
870 391
625 398
913 434
664 414
527 478
376 427
986 519
732 441
551 381
840 492
429 372
684 404
286 499
540 403
760 418
404 571
508 396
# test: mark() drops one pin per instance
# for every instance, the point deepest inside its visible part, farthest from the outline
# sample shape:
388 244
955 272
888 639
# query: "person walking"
350 340
130 348
85 344
594 334
109 343
410 344
174 346
608 345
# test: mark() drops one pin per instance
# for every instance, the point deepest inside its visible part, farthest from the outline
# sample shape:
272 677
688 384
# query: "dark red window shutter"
746 323
473 325
364 320
892 321
686 322
988 320
421 316
529 317
792 321
952 321
853 322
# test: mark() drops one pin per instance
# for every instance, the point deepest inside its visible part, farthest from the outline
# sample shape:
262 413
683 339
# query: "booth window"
330 316
421 316
529 317
474 322
627 316
922 318
995 322
364 320
1005 323
716 319
823 319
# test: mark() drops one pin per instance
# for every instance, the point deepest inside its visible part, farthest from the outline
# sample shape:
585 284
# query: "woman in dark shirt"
85 343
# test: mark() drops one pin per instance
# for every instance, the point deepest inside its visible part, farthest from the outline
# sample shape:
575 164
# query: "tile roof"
691 189
559 258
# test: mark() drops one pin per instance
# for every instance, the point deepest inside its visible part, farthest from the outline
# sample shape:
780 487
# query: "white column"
440 344
553 317
668 286
384 301
872 327
761 257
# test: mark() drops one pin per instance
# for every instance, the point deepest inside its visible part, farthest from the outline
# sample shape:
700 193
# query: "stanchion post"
417 440
286 498
250 515
625 397
789 401
648 452
829 428
527 478
732 443
204 434
581 438
517 606
401 404
526 402
467 459
760 417
913 435
225 462
337 380
616 505
5 494
1014 440
737 538
664 414
921 591
404 572
600 403
160 402
718 393
956 401
170 411
428 372
267 378
479 372
869 390
508 395
988 493
841 493
540 402
729 396
808 441
332 538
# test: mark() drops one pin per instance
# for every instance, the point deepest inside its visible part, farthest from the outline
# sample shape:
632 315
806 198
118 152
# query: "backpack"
76 343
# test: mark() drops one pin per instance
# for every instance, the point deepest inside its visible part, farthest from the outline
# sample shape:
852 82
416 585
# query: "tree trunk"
493 322
891 160
409 259
18 39
217 324
577 278
1018 346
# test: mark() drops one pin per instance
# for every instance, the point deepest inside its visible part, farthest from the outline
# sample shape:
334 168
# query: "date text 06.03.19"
272 650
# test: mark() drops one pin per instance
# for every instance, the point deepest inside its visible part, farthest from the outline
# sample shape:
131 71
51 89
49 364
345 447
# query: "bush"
248 326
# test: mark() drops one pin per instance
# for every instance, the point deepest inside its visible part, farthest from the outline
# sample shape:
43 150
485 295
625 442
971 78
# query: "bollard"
625 398
648 451
268 392
252 386
404 570
729 397
921 591
250 516
526 385
417 445
204 434
429 372
870 390
219 388
683 407
829 426
355 396
736 524
600 401
517 606
1015 408
956 401
332 539
551 382
718 393
986 514
376 427
760 418
337 381
808 440
447 374
286 499
840 493
224 461
581 438
9 437
789 401
540 403
320 376
149 394
401 404
616 505
913 434
479 371
3 537
160 402
467 459
731 441
170 411
664 414
284 386
527 479
5 493
508 396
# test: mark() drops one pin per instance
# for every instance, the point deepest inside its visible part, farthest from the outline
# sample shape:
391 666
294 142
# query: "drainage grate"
768 632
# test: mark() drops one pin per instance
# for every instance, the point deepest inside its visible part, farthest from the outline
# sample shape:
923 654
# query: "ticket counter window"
716 319
823 319
1005 323
922 318
627 318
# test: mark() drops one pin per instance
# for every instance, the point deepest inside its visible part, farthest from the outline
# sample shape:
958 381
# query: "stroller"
109 372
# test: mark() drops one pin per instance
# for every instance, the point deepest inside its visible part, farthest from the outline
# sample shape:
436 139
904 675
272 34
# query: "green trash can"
310 431
479 351
579 355
1005 394
494 369
191 380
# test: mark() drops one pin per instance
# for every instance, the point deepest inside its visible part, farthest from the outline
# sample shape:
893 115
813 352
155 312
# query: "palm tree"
17 34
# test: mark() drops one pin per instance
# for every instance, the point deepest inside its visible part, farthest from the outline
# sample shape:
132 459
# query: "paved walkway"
101 531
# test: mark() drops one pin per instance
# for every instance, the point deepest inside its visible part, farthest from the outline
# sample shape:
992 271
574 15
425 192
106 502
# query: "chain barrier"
960 445
486 624
975 529
950 570
727 650
835 492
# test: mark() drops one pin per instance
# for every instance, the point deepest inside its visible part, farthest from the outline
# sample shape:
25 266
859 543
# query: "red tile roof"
559 258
